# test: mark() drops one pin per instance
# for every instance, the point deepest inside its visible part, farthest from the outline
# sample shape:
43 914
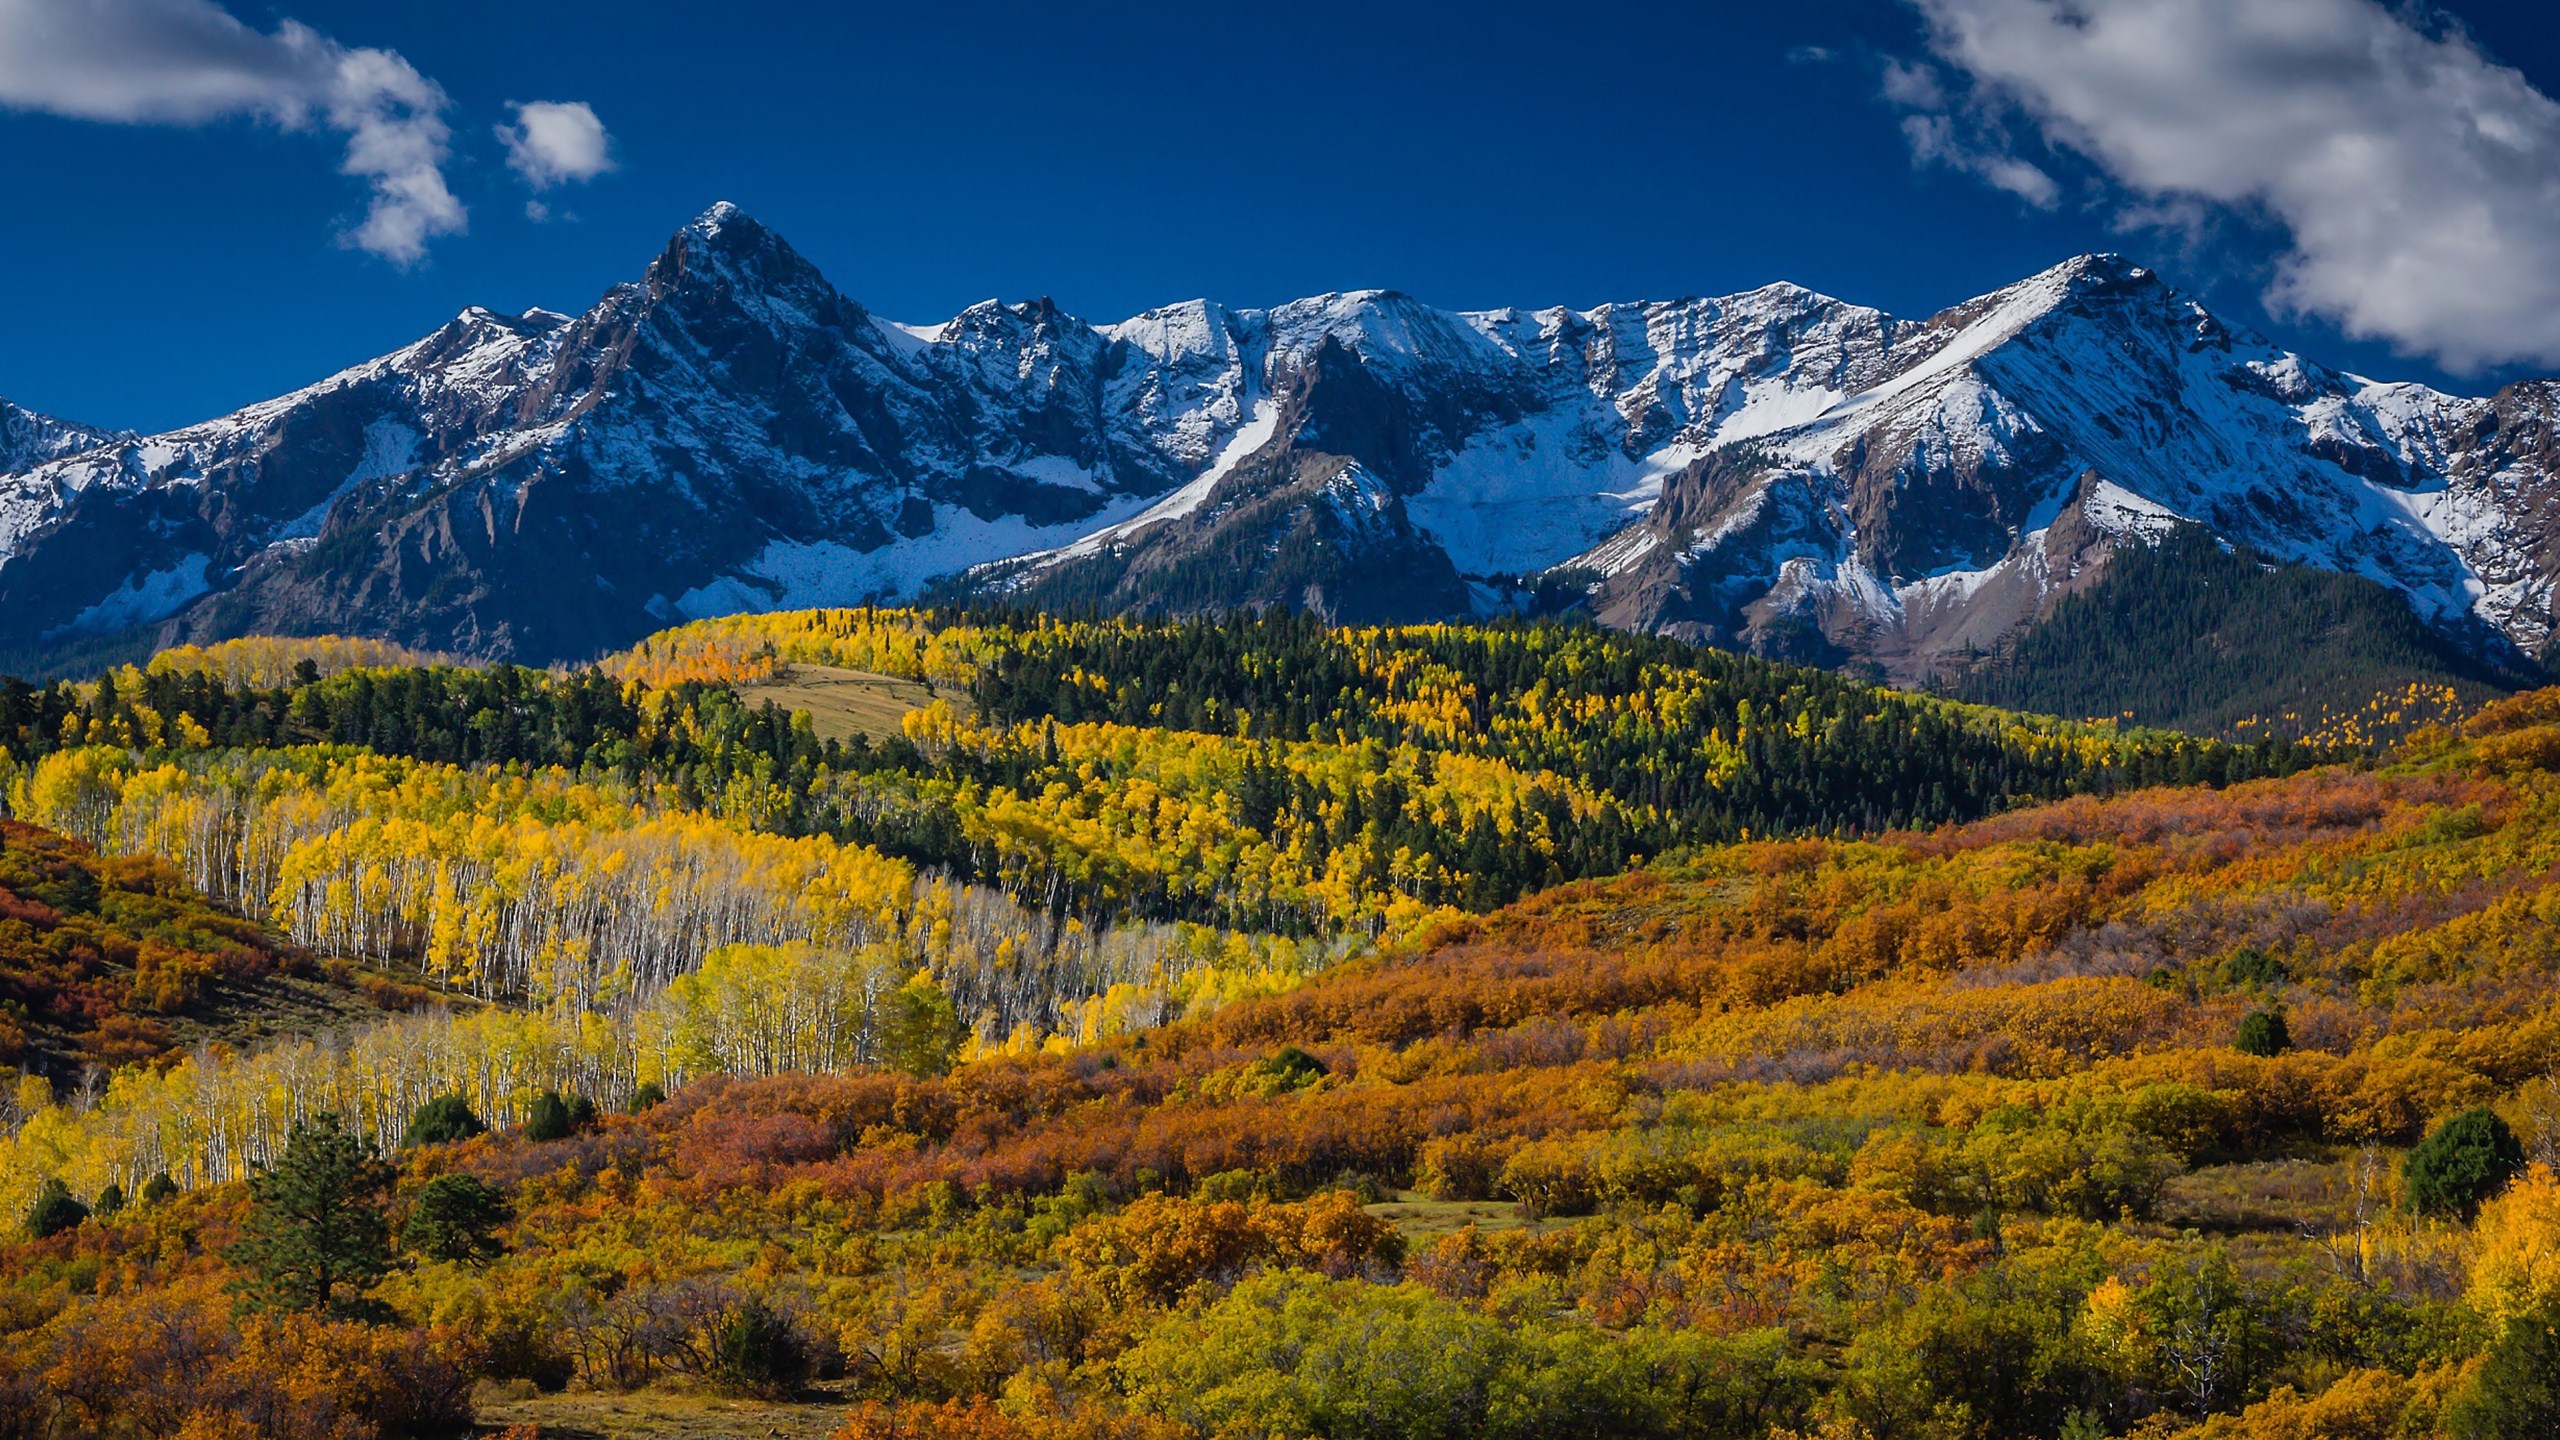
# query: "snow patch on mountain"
144 598
793 575
390 448
1241 446
1529 494
2119 512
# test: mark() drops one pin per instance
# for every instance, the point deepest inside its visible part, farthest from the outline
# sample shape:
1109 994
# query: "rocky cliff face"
1776 470
2034 430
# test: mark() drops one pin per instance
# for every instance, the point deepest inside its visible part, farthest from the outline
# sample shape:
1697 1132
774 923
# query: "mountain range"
1777 471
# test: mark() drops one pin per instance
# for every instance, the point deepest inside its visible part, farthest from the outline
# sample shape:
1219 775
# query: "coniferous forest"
1255 1028
2199 637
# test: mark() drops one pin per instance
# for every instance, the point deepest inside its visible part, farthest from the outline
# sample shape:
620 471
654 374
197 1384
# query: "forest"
2229 642
1250 1028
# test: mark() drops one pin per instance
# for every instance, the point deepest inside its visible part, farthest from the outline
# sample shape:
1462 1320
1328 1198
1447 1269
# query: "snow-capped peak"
710 222
730 430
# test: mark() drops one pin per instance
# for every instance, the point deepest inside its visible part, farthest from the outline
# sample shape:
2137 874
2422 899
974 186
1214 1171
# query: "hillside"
2188 635
111 961
1972 1131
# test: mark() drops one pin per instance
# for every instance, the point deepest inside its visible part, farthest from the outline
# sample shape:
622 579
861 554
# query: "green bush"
758 1350
2462 1162
55 1211
1295 1068
547 1118
441 1120
2093 1164
2263 1032
2250 965
1288 1353
1993 1351
158 1188
2516 1393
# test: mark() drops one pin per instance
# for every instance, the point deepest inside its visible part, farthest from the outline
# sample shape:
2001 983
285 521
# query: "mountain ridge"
1775 470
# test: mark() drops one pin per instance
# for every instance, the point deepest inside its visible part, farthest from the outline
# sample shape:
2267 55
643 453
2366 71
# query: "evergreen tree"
456 1217
445 1118
2462 1162
758 1350
547 1118
317 1232
55 1211
2263 1032
2515 1395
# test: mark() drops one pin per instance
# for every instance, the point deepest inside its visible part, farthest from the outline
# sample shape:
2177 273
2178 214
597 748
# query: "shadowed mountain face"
1776 470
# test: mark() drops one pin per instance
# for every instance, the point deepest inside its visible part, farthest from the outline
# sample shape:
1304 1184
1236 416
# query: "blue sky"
168 263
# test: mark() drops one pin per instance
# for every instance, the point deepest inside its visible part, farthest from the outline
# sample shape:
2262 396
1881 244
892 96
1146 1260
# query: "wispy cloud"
2416 179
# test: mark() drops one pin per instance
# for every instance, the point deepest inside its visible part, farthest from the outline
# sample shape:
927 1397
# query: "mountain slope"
112 960
2046 425
1776 470
2185 634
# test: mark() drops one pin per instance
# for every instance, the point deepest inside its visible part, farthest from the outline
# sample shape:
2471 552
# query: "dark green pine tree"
317 1236
2263 1032
55 1211
442 1119
2461 1163
456 1217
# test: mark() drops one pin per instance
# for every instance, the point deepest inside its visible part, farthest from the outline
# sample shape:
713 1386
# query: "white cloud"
2418 180
1913 85
554 142
188 62
1940 140
1966 135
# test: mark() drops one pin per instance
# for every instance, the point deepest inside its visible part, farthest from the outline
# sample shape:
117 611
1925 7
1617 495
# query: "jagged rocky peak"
29 439
1190 330
725 254
1777 468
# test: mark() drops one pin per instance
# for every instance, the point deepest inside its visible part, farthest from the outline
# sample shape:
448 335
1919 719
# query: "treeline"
494 715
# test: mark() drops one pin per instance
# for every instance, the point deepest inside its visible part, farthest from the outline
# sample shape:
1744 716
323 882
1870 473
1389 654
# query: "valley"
1153 1028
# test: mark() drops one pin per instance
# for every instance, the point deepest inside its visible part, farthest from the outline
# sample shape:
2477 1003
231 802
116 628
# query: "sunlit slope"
1922 1134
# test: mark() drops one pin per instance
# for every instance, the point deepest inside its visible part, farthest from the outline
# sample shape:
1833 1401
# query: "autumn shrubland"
1806 1060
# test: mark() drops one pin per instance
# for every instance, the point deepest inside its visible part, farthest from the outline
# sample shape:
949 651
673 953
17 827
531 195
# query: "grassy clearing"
1418 1219
846 703
660 1411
